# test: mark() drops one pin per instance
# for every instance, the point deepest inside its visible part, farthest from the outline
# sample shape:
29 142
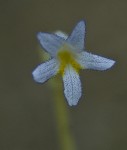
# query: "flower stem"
62 117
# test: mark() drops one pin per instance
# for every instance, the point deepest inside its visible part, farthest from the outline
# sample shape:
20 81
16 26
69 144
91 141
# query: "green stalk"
62 116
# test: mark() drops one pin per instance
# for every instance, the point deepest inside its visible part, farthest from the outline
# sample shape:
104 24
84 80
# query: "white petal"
45 71
77 36
90 61
61 34
72 86
50 42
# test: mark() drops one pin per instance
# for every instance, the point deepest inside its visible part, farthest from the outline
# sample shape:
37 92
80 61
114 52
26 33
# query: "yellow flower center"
67 57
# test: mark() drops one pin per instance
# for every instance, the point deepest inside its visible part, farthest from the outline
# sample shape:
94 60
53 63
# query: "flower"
68 56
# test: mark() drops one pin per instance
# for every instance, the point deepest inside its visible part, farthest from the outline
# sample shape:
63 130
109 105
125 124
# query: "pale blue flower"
68 56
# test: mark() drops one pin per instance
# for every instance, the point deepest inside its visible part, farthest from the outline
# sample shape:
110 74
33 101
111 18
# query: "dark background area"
27 120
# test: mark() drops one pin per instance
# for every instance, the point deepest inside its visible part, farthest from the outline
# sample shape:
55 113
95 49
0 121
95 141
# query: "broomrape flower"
68 56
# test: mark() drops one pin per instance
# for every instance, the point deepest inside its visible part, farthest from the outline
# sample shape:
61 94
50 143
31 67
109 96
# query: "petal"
45 71
77 36
72 86
90 61
50 42
61 34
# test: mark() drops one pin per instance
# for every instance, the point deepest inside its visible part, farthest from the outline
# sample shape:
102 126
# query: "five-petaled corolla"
68 56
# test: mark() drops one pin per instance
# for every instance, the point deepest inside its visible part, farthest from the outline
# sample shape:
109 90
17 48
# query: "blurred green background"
27 118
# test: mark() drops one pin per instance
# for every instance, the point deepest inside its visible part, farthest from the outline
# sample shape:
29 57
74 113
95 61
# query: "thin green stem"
62 117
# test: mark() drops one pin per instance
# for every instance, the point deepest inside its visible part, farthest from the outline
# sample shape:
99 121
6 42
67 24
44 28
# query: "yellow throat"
67 57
